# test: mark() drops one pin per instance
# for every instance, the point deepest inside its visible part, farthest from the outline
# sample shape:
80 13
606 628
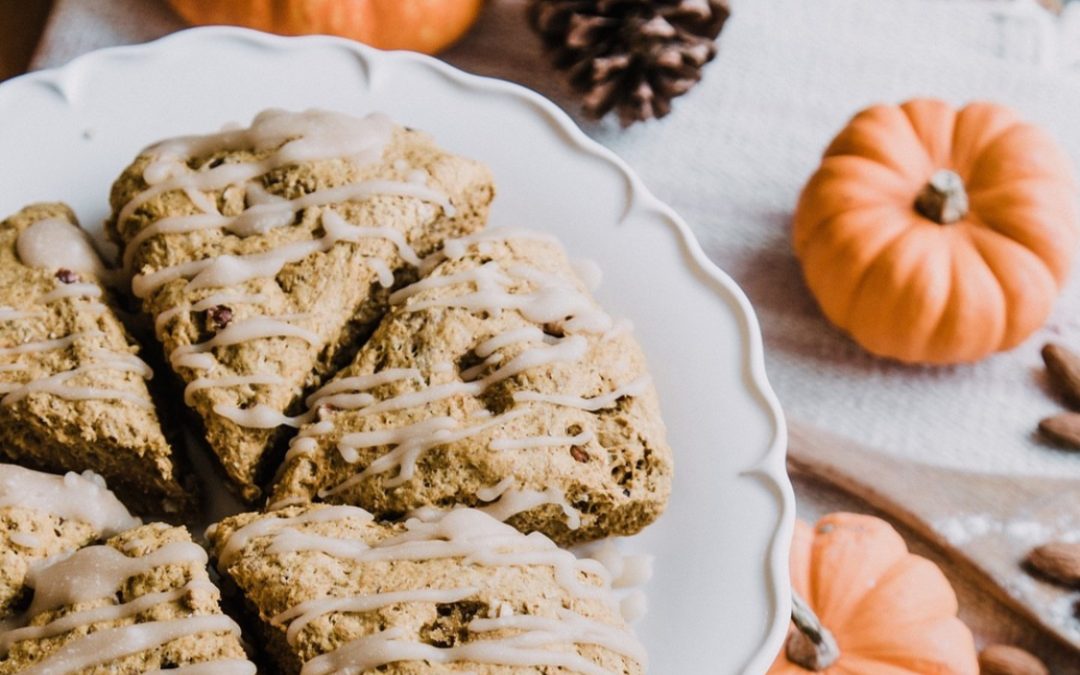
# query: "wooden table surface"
21 22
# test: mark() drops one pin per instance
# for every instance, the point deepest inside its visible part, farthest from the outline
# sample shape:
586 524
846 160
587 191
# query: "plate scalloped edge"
770 470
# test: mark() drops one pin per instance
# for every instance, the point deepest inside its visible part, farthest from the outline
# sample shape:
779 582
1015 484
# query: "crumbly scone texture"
28 536
619 480
271 583
189 649
116 438
336 294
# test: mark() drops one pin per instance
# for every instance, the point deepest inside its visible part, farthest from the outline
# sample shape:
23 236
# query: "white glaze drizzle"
55 385
98 573
282 138
223 298
260 416
477 539
219 667
288 138
262 527
25 539
454 249
201 383
71 496
113 643
54 243
635 387
50 344
12 314
242 331
75 290
229 270
507 502
415 440
301 615
85 617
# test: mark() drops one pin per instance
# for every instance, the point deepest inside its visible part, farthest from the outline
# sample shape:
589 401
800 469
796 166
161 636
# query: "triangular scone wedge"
142 602
265 256
44 515
331 590
496 382
72 390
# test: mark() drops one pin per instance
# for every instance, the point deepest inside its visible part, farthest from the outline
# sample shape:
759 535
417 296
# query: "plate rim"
771 469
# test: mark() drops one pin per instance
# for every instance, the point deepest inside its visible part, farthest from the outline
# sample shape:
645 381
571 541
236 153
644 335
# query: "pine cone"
631 56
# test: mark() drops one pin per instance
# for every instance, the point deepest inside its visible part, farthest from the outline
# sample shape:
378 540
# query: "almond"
1009 660
1063 367
1058 561
1063 429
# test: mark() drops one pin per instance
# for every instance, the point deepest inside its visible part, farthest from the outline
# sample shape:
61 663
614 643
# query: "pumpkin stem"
943 198
810 645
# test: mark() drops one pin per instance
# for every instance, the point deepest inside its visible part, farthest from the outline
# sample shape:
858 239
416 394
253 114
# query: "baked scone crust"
335 296
195 596
308 554
66 513
115 433
589 473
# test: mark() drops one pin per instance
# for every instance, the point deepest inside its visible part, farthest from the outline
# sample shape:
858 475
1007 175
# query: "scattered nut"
1058 561
1009 660
578 454
1063 367
1062 429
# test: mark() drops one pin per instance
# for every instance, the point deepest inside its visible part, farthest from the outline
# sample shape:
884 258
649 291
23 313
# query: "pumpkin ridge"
924 115
842 313
882 263
913 565
1022 314
985 163
970 132
866 131
1048 247
948 345
981 148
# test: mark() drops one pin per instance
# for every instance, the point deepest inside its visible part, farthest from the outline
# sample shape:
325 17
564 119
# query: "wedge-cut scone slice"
265 255
497 382
44 515
72 390
331 590
142 602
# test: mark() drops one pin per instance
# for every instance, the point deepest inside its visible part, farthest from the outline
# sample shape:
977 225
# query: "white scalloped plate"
718 602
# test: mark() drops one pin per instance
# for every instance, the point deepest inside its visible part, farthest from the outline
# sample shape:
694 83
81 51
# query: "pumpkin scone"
44 515
72 390
265 255
495 382
142 602
330 590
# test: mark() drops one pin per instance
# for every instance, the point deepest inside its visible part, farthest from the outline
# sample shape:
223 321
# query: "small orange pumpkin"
420 25
935 235
883 611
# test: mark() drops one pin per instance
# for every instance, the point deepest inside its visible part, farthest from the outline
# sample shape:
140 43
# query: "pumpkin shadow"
792 324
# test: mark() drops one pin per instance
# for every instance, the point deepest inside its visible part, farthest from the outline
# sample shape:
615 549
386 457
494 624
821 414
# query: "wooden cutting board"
985 523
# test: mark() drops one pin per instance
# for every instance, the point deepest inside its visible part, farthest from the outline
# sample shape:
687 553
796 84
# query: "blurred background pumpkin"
427 26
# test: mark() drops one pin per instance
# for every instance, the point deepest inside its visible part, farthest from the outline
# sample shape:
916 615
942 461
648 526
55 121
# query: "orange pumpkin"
420 25
935 235
886 611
